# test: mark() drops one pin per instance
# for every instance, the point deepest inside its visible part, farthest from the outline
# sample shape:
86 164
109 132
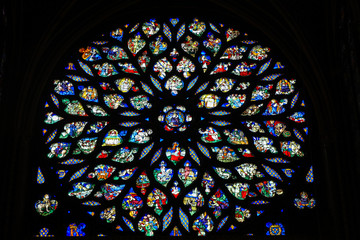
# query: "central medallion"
174 118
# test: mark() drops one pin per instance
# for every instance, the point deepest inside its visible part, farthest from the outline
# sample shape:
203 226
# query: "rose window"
175 118
174 127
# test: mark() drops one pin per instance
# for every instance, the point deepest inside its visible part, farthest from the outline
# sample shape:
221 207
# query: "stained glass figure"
291 148
186 67
210 135
175 190
304 201
239 190
148 224
114 101
175 153
109 214
268 188
73 129
125 155
64 87
297 117
46 206
174 84
241 214
59 150
136 44
126 173
179 124
275 107
224 173
190 46
203 224
158 46
194 199
97 111
197 27
204 60
264 144
143 182
132 202
276 128
223 84
244 69
231 34
285 87
175 118
90 54
140 102
102 172
207 182
234 53
115 53
150 28
163 175
261 92
220 68
218 201
110 191
209 101
225 154
187 174
213 44
163 66
52 118
157 199
248 171
236 137
258 53
105 70
112 138
140 136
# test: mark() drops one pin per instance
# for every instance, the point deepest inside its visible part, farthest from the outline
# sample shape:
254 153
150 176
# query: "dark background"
319 38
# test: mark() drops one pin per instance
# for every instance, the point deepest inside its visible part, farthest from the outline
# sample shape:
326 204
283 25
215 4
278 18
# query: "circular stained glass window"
174 127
